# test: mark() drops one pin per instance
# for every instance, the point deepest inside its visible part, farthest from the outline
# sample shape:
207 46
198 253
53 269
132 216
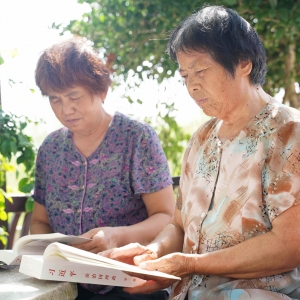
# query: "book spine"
76 272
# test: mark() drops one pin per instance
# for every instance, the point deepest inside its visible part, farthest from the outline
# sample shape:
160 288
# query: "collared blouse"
233 191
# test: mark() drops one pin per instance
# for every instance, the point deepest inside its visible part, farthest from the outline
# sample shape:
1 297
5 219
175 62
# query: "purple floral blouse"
104 189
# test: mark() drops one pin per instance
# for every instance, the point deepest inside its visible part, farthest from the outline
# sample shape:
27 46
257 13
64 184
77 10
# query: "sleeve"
184 172
190 159
281 175
149 167
40 178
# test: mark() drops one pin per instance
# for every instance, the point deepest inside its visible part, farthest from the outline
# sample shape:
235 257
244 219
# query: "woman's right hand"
132 254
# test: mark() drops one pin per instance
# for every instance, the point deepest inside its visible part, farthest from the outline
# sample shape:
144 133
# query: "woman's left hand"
177 264
102 239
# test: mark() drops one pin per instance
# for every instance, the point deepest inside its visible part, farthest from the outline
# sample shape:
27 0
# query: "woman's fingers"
143 257
133 254
129 250
87 246
106 253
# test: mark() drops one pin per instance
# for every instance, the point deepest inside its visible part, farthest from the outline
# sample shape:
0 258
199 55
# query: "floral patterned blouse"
232 191
104 189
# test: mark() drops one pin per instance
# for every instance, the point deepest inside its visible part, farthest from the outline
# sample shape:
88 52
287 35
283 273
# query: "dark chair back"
176 181
16 209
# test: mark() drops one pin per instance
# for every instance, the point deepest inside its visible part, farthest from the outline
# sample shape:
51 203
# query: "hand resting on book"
146 259
102 239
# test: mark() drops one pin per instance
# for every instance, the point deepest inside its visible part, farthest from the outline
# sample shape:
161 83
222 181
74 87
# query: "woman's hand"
132 254
102 239
177 264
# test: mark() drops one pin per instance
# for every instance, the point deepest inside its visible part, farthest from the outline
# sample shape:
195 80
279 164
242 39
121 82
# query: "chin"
209 113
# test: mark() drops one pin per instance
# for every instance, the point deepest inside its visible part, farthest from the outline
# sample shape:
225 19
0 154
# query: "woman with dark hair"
101 176
236 231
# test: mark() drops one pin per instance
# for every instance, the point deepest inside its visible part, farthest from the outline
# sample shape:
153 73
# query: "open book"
65 263
35 244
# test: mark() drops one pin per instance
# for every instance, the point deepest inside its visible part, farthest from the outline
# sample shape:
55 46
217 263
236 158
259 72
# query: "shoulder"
284 119
56 138
286 112
131 126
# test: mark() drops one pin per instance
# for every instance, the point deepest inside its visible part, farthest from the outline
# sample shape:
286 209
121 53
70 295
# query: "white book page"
8 258
36 243
74 254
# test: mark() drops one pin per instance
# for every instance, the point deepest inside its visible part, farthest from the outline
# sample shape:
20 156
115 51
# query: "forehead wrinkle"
191 65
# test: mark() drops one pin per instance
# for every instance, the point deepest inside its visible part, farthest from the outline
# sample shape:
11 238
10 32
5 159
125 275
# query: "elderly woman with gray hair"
236 229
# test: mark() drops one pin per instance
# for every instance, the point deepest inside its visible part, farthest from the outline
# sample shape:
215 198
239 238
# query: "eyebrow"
72 93
52 97
191 66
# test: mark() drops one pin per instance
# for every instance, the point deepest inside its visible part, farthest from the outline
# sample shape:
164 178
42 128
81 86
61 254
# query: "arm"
160 207
39 221
272 253
169 240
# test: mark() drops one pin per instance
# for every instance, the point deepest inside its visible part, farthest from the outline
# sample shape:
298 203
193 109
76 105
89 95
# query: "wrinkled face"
209 84
77 108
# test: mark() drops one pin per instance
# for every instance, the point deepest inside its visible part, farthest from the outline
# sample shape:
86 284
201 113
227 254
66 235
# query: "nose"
67 107
192 84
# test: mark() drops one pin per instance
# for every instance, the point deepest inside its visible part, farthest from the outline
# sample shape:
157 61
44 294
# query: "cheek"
54 108
57 111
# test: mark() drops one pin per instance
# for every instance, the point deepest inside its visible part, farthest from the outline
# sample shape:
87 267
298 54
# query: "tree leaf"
26 188
273 3
13 147
29 204
3 215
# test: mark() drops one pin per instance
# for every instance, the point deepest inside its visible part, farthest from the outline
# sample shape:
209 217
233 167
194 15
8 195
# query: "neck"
88 141
246 107
97 130
242 114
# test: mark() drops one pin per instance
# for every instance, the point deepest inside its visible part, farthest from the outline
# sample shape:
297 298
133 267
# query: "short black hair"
226 36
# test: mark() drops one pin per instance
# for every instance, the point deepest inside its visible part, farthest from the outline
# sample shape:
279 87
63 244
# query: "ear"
103 95
245 67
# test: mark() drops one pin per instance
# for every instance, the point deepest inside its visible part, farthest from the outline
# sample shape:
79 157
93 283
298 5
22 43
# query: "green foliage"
278 25
14 143
133 33
172 137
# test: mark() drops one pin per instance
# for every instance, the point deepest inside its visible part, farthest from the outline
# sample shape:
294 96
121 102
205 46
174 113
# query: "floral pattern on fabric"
104 189
230 192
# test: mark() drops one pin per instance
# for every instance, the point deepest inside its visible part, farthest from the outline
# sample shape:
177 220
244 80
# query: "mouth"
201 101
72 121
